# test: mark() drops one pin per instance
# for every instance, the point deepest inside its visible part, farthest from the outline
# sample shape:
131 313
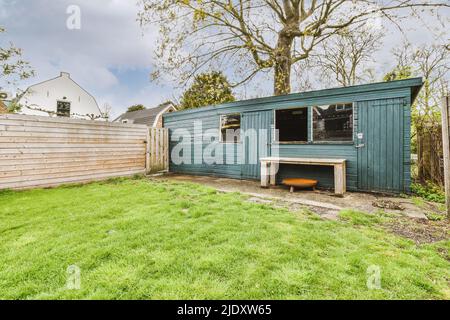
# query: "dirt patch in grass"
388 204
444 253
419 230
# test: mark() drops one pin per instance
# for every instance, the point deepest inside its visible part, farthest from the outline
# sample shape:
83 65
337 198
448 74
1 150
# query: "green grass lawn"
141 239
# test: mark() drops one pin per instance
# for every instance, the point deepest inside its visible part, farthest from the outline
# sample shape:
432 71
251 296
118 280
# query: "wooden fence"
430 155
45 152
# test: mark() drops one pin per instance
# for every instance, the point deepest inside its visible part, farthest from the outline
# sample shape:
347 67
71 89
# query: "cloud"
112 59
110 39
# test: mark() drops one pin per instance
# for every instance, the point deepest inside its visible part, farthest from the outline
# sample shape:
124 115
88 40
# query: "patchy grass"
435 229
140 239
360 218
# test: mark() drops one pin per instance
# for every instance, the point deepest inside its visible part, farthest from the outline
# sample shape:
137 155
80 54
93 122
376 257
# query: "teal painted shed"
367 125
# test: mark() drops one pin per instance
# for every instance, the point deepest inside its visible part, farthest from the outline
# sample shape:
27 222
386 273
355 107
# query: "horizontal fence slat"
67 140
56 121
66 163
12 176
24 162
50 182
65 150
42 157
100 135
69 174
62 145
55 130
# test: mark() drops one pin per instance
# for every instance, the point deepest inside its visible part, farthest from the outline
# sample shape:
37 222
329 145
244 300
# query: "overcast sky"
109 56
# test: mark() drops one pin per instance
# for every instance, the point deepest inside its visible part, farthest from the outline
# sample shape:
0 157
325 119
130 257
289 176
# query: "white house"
61 97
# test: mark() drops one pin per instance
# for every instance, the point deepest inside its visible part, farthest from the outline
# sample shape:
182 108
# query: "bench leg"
273 173
292 190
339 179
264 174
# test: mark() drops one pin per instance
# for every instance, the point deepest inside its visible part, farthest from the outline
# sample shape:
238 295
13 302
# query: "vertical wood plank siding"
382 161
158 150
43 152
388 116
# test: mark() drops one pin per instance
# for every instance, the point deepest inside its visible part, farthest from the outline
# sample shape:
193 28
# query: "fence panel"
430 157
44 152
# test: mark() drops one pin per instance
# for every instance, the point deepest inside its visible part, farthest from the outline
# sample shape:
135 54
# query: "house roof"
3 107
146 116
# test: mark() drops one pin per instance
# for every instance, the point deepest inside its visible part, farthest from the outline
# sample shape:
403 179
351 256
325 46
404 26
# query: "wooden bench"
269 169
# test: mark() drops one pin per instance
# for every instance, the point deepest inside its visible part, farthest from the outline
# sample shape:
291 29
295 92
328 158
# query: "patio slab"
325 202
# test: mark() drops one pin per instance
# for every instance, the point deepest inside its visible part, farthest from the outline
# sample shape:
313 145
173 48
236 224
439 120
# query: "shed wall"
209 118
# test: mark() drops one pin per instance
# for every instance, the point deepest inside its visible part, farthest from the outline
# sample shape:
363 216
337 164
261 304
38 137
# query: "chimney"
65 75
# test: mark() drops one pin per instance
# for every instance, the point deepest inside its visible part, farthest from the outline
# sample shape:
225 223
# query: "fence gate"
157 158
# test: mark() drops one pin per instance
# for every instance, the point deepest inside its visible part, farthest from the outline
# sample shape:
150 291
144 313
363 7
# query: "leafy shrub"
429 191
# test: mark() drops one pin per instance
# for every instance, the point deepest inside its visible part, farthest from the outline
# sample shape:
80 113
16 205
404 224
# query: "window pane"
333 123
230 126
63 109
292 125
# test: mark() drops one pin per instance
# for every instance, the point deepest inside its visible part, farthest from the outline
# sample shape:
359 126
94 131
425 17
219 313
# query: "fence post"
166 150
147 152
446 146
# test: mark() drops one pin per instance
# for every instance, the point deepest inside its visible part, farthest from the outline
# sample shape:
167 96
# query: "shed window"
333 123
63 109
230 128
292 125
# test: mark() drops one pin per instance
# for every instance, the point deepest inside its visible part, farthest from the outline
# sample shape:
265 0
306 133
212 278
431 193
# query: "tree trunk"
283 64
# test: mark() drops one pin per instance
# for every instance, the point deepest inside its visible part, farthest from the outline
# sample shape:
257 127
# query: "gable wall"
46 94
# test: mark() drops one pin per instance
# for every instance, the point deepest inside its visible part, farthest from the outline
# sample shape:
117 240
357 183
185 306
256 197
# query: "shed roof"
414 84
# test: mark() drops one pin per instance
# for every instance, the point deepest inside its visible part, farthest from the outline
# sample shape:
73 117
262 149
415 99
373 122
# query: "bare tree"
252 36
432 63
106 111
344 59
12 66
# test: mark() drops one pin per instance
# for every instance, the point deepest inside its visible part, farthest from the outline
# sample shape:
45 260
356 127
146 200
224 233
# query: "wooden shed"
369 126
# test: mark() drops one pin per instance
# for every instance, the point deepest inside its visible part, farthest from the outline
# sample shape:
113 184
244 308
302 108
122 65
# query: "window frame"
274 136
349 142
70 108
220 127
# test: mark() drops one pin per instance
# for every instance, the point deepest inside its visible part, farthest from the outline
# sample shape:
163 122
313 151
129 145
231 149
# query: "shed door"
256 139
380 145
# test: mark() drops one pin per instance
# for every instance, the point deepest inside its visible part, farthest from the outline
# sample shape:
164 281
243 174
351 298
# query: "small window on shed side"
333 123
292 125
230 128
